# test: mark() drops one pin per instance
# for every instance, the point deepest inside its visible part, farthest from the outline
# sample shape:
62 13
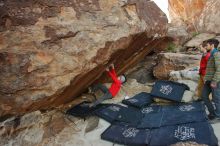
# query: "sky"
163 4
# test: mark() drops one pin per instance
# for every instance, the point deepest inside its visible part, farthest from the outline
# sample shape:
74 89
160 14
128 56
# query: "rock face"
178 32
198 15
50 51
190 77
197 40
186 74
186 11
209 21
143 71
168 62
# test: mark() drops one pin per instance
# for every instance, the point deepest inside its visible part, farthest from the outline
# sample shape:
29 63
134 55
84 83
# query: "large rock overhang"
51 51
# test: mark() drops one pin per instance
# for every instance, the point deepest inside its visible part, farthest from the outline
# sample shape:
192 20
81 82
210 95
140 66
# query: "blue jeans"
207 89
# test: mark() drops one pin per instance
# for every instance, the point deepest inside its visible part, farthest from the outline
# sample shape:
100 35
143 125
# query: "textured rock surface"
186 11
190 77
198 15
178 33
168 62
209 20
186 74
198 39
50 51
143 71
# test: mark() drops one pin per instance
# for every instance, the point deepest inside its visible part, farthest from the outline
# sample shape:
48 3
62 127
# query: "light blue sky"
163 4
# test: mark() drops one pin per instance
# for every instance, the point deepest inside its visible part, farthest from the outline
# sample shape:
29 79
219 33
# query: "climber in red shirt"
113 90
202 69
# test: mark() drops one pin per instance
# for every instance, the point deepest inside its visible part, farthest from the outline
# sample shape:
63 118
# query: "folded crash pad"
169 90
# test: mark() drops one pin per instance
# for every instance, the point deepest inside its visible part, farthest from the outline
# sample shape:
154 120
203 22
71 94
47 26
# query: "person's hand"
202 49
213 84
107 69
112 66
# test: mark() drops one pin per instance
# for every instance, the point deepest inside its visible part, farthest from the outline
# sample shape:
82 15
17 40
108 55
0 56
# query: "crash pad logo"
185 133
114 108
130 132
166 89
186 108
147 110
133 100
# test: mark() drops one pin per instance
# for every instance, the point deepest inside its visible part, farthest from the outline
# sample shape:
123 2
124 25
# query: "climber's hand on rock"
107 69
112 66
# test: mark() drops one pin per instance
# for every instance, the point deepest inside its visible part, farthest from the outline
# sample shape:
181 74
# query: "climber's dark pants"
104 89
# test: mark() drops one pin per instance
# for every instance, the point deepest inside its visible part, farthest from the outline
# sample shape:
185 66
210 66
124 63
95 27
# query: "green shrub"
171 47
195 34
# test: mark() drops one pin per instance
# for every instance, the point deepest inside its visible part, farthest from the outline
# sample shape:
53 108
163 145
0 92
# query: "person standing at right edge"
212 81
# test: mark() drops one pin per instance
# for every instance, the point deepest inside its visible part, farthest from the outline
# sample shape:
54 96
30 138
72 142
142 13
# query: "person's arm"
113 72
112 69
113 75
216 77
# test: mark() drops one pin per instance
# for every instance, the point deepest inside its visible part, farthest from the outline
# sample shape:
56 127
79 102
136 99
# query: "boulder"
208 21
186 12
192 84
143 71
189 77
186 74
197 15
218 38
92 123
198 39
51 51
179 33
168 62
188 96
